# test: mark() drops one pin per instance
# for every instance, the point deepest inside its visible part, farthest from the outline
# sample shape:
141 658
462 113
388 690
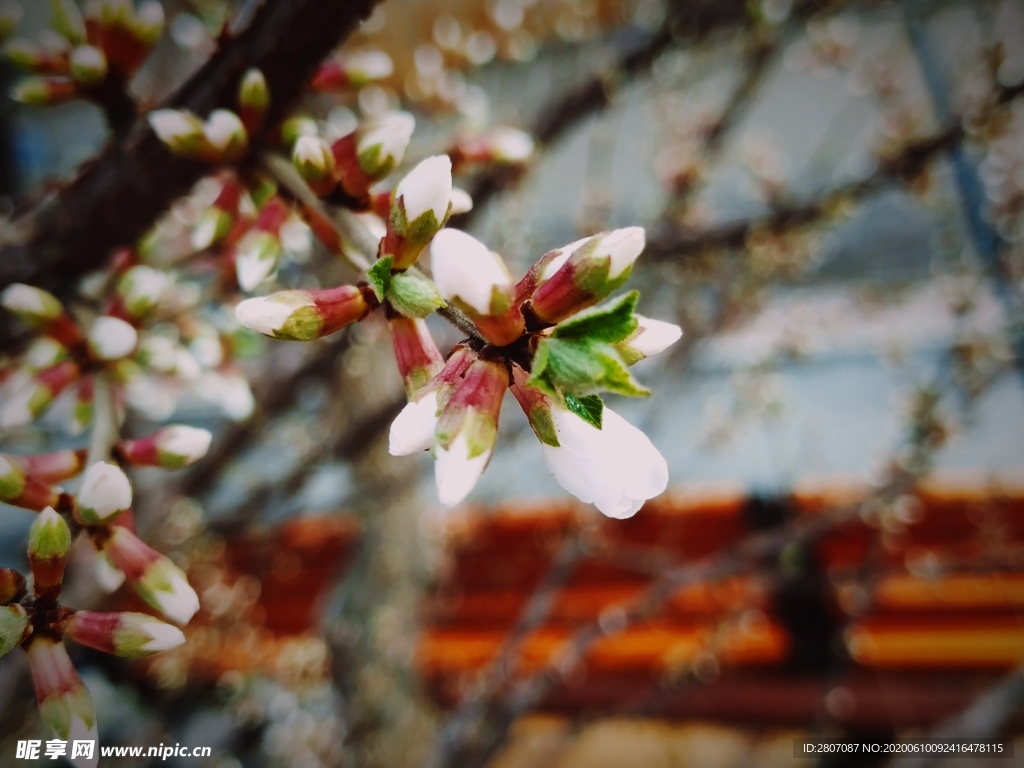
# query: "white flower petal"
392 132
412 430
180 602
427 187
163 636
455 473
623 246
464 267
655 336
616 468
263 315
108 576
111 338
105 490
191 443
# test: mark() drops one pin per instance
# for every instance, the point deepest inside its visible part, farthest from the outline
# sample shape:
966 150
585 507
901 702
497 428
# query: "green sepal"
544 426
582 367
590 408
13 622
380 276
413 295
371 163
13 482
262 191
49 537
611 322
303 324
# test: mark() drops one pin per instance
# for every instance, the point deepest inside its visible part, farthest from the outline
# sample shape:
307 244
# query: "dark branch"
904 166
122 192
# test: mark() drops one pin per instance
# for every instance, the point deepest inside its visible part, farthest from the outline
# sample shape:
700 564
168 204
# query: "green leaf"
611 322
380 277
590 408
414 295
582 367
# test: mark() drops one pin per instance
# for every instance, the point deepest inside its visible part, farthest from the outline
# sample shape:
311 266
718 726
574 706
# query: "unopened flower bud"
171 447
43 352
468 429
419 209
302 315
10 15
216 222
413 429
314 161
49 541
43 91
13 624
475 279
56 466
11 585
33 305
35 397
253 99
226 135
35 57
181 131
141 288
88 66
129 635
354 70
111 338
502 145
296 127
256 258
149 23
372 152
584 273
64 703
105 494
157 580
43 312
415 352
68 21
20 487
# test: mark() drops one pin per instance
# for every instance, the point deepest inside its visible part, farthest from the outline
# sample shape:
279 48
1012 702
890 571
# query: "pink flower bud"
352 70
104 495
303 315
63 699
49 541
418 357
171 447
157 580
19 487
31 400
583 273
56 466
11 585
468 429
475 279
130 635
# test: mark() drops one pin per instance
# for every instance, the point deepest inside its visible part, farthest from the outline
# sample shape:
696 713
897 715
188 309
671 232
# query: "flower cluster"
31 614
223 137
548 338
84 54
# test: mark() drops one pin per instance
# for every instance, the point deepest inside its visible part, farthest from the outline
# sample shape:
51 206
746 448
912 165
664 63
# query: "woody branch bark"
120 193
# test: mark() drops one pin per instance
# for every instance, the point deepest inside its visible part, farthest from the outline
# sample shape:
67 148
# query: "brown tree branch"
120 193
903 166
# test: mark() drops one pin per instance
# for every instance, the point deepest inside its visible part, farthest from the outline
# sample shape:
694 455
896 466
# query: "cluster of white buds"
351 165
501 145
223 137
81 53
33 616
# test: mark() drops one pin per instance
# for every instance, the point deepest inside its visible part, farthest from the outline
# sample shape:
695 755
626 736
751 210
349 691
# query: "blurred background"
833 194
